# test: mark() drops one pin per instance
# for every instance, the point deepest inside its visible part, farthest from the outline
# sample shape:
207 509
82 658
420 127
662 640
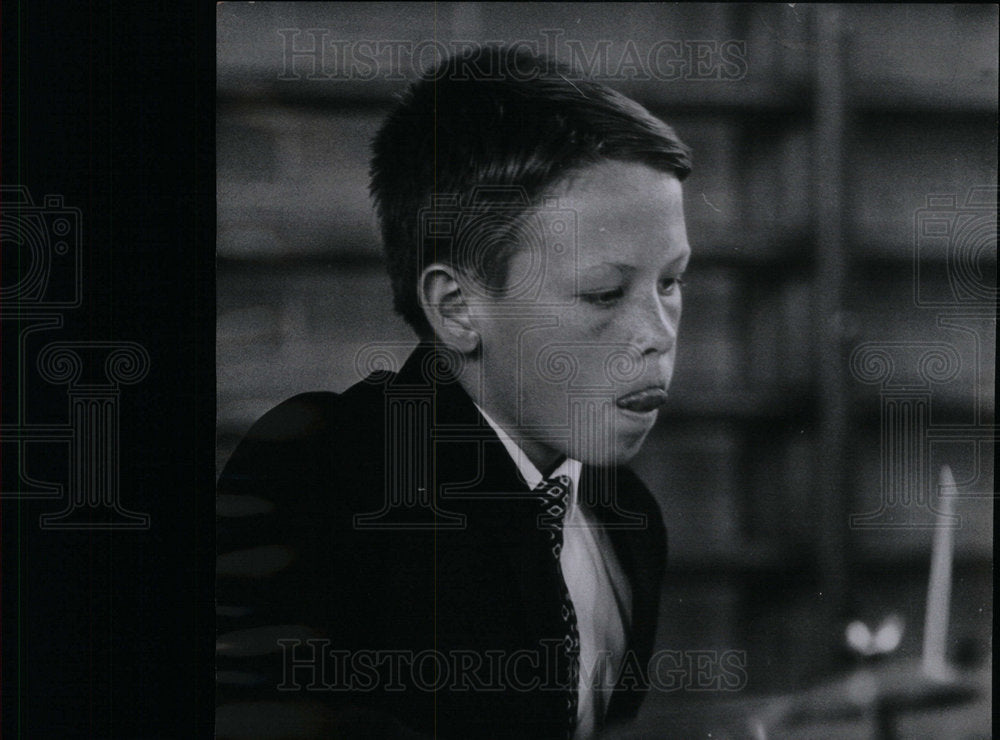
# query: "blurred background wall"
837 345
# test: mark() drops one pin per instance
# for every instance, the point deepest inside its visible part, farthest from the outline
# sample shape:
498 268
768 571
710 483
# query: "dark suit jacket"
390 524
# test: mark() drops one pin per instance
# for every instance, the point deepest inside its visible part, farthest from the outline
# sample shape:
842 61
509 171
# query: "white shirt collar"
531 475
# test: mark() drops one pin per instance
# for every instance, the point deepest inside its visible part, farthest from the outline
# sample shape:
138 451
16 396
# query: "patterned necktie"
552 496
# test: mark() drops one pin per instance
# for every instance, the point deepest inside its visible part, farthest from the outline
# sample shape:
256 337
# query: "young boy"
456 549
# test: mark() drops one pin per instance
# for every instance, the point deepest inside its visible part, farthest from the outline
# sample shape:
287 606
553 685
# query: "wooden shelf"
902 97
669 98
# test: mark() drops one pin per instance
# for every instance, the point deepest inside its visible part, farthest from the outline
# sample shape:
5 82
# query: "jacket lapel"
618 509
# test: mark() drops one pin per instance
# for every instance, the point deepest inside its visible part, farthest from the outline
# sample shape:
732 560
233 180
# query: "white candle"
939 586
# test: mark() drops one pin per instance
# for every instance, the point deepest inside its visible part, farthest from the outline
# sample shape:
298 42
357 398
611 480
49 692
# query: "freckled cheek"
676 311
668 362
672 318
587 325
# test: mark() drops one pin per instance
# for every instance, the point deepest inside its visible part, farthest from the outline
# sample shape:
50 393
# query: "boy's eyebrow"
620 266
629 270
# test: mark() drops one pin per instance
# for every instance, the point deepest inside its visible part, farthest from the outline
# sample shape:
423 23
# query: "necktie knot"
556 487
552 496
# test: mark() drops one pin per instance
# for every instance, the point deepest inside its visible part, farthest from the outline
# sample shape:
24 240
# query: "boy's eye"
604 297
670 285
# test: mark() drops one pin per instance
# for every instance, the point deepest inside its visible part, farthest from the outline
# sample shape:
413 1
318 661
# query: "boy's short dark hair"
490 118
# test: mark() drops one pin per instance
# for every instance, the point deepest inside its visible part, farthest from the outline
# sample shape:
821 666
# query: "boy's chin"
618 451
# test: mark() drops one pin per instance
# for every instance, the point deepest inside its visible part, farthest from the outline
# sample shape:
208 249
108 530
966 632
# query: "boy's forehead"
618 207
607 201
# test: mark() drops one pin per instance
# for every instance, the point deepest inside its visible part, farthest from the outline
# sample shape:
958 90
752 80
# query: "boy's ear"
444 304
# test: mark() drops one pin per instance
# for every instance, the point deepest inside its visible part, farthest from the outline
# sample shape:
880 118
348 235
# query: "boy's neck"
544 458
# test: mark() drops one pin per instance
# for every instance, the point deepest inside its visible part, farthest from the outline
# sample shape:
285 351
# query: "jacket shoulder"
297 425
298 417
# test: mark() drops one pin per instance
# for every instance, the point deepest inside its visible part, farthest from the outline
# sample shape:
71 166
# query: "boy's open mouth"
644 400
